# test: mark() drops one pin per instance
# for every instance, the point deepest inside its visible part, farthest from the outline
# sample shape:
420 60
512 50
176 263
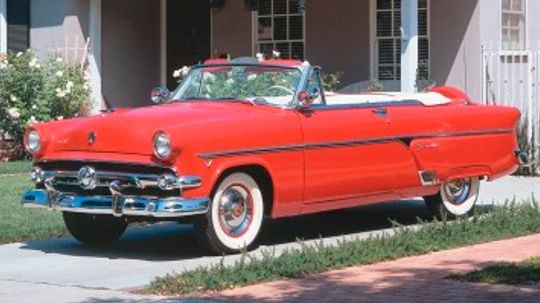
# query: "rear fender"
452 158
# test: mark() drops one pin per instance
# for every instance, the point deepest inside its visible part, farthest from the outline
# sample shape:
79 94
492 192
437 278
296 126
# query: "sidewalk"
413 279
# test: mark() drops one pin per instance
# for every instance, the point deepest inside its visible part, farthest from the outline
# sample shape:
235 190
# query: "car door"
350 152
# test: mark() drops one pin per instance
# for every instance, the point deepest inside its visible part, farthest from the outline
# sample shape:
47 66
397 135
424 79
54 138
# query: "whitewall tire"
235 217
456 198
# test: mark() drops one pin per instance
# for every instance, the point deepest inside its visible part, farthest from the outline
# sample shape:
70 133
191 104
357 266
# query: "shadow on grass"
172 241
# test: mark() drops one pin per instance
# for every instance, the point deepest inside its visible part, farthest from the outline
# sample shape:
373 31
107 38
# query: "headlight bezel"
165 145
33 141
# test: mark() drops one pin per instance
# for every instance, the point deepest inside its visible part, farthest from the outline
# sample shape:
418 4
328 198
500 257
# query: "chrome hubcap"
458 191
235 210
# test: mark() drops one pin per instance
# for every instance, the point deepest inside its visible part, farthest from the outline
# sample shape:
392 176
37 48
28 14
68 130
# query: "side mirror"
160 95
306 98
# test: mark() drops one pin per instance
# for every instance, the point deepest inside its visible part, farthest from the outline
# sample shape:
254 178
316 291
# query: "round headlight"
33 141
162 145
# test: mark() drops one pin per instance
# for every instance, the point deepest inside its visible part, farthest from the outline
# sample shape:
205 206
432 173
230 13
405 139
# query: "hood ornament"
92 138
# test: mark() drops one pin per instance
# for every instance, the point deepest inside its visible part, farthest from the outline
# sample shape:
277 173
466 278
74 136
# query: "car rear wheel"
235 216
456 198
94 230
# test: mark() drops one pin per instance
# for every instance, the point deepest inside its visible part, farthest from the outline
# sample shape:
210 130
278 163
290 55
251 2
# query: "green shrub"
332 81
33 91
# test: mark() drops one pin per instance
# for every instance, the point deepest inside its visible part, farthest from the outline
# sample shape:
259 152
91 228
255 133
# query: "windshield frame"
302 82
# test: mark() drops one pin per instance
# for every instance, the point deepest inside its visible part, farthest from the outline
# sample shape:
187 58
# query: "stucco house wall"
339 41
232 30
130 51
53 23
455 44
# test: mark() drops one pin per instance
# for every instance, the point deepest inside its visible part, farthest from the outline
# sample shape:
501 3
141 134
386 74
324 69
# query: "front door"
351 153
188 35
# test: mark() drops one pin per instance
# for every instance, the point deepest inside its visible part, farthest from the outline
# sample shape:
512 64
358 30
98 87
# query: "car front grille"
137 179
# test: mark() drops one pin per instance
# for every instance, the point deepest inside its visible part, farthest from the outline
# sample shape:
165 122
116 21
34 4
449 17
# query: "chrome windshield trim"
348 143
305 72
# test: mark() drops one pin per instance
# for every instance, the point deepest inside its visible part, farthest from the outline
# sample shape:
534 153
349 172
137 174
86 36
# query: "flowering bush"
32 91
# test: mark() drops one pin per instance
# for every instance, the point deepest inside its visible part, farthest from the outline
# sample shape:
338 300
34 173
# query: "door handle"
381 111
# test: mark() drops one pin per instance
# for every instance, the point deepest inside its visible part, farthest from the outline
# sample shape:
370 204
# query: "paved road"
62 270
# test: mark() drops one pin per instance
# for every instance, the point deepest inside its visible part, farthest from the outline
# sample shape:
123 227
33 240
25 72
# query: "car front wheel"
235 216
456 198
94 230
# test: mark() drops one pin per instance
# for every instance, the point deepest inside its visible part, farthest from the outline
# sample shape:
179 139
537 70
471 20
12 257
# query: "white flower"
13 98
86 86
69 86
229 81
33 62
60 118
19 54
14 113
60 94
181 72
59 73
31 121
276 54
208 76
34 107
3 65
59 59
260 57
58 90
38 65
252 77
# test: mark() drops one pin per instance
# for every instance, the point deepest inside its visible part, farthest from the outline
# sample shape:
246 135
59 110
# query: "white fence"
512 78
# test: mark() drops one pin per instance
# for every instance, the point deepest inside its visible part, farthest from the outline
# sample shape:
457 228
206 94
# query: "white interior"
428 99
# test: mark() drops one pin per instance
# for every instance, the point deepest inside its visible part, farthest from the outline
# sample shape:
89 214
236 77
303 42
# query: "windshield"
263 84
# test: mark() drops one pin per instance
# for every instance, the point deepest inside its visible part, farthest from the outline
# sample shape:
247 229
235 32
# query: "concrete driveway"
62 270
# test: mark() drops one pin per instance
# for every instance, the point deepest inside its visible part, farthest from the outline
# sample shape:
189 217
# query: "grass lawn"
17 223
501 223
521 273
15 167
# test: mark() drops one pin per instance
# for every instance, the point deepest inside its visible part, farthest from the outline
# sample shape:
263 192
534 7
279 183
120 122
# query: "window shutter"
388 39
18 25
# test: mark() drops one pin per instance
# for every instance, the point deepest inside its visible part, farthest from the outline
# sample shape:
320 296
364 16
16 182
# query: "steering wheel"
280 87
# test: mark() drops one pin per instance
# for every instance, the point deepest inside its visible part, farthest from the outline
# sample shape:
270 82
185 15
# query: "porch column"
3 26
409 45
94 55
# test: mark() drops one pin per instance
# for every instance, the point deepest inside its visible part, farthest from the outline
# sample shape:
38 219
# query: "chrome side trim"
165 208
348 143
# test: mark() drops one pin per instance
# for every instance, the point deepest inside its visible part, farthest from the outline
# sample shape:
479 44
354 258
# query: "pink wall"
337 37
231 30
456 52
336 41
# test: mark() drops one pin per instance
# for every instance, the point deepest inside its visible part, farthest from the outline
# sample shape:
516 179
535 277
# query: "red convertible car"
241 140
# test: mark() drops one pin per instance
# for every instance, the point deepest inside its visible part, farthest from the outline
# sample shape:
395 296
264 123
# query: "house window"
513 24
387 44
18 25
280 26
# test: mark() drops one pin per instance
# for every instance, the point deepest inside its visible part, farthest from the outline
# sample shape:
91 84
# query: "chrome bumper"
117 206
74 191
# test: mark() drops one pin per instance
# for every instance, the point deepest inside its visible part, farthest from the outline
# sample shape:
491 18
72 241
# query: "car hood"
132 131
